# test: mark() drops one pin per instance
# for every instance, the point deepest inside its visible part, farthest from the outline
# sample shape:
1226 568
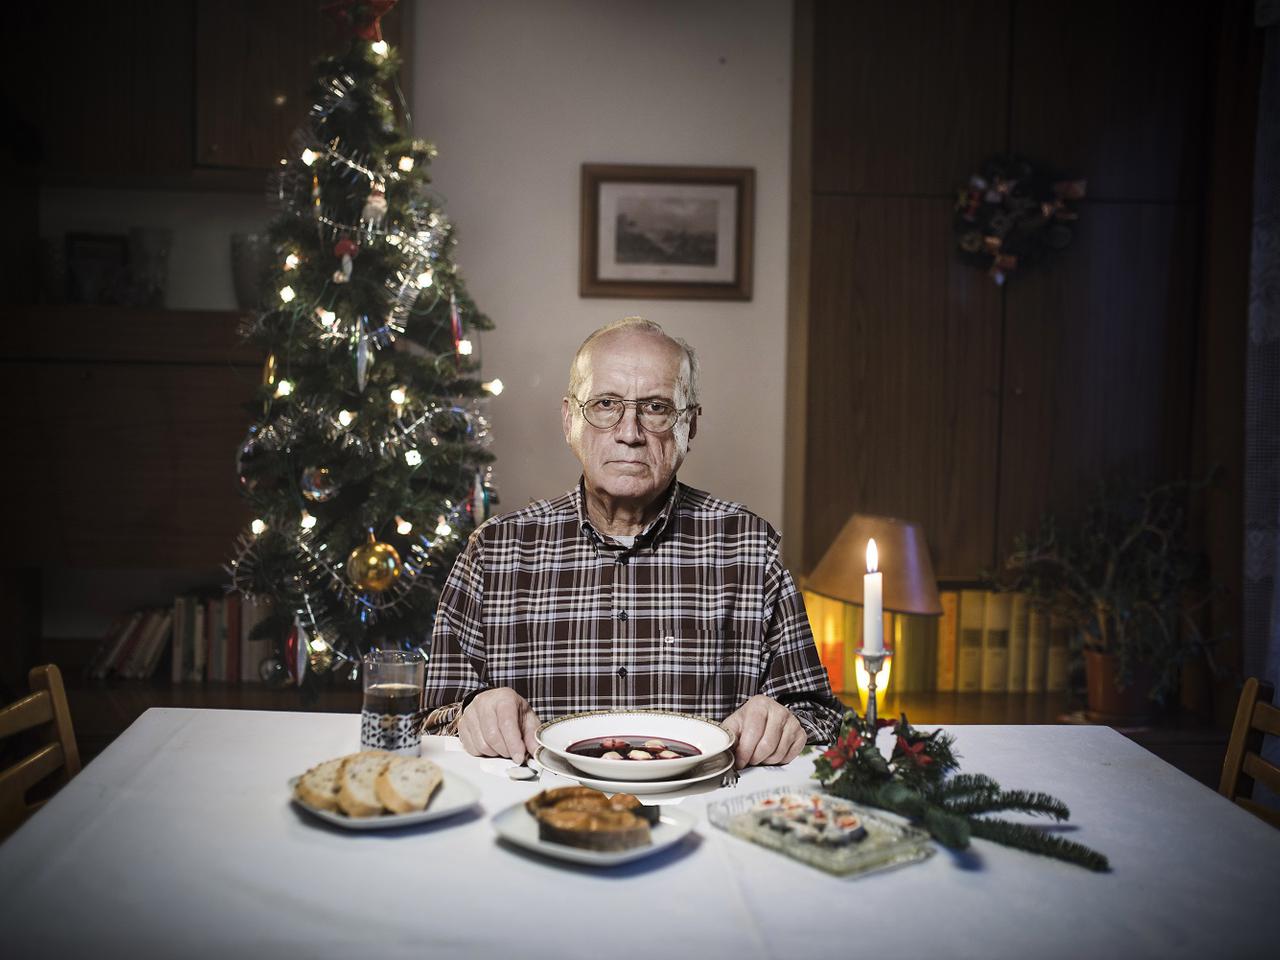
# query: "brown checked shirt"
696 616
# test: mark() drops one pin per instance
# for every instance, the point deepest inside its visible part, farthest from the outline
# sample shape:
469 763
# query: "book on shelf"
914 658
1016 679
199 642
973 606
112 643
1058 660
231 605
1037 648
948 633
995 642
252 652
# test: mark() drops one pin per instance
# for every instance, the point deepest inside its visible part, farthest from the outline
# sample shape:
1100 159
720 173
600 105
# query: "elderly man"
630 591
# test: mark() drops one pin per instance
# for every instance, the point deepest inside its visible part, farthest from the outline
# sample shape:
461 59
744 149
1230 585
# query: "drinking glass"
392 715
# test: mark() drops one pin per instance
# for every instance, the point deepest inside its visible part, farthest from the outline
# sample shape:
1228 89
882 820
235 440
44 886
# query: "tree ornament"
320 656
318 484
295 653
373 566
269 371
272 672
361 17
346 250
363 356
375 209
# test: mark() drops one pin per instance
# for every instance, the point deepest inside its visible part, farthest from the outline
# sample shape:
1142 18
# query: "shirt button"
622 614
622 671
622 559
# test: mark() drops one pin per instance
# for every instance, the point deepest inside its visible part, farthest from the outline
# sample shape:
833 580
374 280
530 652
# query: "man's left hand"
767 732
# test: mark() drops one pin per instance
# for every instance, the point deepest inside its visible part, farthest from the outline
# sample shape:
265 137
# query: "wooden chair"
1243 766
46 713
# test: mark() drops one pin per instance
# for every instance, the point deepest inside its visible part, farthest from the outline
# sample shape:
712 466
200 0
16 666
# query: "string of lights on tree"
368 462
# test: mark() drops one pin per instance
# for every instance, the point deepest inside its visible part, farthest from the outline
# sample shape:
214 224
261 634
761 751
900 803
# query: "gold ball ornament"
373 566
269 371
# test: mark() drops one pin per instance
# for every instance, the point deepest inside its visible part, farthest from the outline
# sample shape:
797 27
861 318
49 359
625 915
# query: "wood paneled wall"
931 393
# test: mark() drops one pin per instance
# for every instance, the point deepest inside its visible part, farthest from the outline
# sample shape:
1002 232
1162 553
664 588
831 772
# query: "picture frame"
97 267
666 232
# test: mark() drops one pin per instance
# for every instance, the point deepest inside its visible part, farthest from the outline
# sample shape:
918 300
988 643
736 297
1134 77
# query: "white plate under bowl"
710 767
517 825
453 796
707 735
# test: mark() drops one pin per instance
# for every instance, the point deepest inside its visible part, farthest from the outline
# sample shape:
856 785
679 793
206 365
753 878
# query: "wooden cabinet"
931 392
177 94
128 423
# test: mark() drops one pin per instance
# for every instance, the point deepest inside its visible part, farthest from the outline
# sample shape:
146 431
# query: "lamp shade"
909 584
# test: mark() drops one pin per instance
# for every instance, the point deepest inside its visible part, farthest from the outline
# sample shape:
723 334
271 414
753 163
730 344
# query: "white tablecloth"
180 841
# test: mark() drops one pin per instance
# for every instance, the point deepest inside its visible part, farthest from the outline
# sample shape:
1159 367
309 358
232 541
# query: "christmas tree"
367 464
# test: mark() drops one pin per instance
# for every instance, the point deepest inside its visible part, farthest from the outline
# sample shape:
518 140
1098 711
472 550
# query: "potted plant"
1124 575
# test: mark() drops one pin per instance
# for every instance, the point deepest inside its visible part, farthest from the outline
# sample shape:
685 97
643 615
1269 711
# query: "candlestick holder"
873 662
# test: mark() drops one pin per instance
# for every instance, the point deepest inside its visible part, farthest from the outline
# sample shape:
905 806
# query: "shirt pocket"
703 668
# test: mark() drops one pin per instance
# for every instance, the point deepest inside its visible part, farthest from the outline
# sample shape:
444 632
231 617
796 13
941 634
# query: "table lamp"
905 578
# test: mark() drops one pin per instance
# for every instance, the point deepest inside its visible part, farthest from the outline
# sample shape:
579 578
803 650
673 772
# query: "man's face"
626 464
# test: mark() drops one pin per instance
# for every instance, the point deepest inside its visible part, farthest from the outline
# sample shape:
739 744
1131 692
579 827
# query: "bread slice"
318 787
357 796
407 784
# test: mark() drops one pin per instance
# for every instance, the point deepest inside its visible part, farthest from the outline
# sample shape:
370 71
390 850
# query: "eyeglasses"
655 416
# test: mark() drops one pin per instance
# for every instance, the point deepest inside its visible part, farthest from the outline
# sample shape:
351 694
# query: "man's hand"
767 732
499 723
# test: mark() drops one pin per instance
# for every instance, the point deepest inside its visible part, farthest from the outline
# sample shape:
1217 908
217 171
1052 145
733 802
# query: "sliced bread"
407 784
357 796
318 787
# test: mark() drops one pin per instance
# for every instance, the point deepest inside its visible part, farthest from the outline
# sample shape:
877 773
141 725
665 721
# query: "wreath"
1013 215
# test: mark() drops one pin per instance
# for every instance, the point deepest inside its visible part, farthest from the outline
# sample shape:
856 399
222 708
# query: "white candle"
872 605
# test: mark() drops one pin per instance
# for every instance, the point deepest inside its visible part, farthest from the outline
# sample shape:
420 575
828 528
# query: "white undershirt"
625 541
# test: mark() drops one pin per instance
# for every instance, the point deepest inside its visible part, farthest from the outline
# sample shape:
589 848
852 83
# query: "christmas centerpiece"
920 781
368 463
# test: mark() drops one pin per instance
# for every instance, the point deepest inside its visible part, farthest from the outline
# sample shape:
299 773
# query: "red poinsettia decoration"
361 17
842 751
914 751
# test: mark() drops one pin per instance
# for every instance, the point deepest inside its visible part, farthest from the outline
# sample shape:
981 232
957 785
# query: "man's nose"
628 428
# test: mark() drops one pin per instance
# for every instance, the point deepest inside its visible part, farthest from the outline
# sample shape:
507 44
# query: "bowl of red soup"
633 744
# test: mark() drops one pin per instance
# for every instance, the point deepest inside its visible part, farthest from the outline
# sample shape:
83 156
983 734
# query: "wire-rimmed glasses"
655 416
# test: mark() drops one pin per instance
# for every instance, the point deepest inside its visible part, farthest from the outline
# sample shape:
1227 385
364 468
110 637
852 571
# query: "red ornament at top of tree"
361 17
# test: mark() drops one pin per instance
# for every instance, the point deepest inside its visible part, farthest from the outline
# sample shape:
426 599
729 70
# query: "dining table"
181 840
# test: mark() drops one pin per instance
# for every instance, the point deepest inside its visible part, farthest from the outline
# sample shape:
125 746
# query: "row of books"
984 642
194 640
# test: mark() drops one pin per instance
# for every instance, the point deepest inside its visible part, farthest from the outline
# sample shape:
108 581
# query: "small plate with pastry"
587 826
375 790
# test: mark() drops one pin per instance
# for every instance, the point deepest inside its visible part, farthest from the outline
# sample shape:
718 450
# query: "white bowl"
707 736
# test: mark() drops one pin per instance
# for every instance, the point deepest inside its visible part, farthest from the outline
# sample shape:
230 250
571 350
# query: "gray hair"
640 325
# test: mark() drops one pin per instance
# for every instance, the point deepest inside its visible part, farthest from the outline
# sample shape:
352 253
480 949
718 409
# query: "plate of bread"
591 827
375 790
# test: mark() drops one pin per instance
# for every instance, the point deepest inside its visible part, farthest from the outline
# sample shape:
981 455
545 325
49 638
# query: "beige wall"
517 95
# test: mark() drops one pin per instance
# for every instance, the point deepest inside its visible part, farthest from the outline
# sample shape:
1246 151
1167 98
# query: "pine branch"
1032 840
1020 800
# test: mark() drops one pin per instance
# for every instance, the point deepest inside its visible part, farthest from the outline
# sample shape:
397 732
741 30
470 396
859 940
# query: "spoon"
523 771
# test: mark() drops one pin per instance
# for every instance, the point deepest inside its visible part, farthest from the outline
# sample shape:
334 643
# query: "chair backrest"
1244 766
46 713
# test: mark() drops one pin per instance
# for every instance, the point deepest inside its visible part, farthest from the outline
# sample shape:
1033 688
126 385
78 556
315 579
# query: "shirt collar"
652 530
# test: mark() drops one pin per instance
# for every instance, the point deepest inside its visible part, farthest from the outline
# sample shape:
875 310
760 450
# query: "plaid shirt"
696 616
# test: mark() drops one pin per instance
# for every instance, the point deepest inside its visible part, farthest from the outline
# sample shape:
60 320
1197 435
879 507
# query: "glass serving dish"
760 817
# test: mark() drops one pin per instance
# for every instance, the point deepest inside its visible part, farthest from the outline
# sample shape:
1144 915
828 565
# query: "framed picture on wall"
680 233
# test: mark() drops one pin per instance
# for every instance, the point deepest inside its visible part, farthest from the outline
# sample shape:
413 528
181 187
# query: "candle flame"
873 556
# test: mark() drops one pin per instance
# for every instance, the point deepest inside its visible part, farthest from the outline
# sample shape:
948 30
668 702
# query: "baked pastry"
586 818
407 783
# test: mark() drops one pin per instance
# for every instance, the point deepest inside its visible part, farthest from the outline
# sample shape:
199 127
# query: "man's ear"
566 417
693 422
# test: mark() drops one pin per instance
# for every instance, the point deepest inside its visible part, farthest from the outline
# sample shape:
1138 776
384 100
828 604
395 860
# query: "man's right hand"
499 723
